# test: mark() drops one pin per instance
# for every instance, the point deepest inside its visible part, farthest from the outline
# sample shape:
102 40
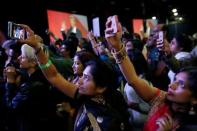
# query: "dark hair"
71 45
139 62
138 44
103 74
86 45
184 42
136 36
192 78
127 36
84 57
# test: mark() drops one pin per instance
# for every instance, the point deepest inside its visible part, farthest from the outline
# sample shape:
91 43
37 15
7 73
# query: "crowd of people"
120 82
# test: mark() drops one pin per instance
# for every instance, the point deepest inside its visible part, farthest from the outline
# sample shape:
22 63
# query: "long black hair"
103 74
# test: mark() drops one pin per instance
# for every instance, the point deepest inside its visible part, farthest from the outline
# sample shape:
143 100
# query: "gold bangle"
120 55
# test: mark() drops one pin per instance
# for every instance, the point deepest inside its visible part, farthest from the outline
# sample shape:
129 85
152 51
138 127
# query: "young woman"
78 66
168 109
102 107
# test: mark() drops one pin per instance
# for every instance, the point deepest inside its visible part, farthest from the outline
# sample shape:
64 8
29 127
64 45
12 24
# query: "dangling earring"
192 111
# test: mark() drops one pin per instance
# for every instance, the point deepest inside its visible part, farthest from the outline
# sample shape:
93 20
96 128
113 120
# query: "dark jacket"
109 111
30 103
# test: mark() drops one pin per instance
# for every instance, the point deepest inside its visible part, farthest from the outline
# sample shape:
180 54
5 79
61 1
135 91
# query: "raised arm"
93 42
141 86
49 70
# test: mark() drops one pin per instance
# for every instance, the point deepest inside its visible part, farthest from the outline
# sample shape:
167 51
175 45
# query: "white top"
178 56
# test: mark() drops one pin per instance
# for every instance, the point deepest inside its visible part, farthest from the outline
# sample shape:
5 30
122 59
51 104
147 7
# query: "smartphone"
160 36
113 25
16 31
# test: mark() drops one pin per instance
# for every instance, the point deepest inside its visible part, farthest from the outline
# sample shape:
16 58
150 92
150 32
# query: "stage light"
174 10
154 17
175 14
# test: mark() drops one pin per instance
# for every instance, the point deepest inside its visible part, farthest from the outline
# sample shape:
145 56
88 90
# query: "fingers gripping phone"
160 36
16 31
160 40
113 25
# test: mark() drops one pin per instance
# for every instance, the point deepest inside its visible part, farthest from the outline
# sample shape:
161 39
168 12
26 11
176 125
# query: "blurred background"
180 16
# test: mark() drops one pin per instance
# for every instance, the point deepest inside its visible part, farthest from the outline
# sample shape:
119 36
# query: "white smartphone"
114 26
160 36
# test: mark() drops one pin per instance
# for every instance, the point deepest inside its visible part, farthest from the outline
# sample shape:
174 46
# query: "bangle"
44 66
120 55
38 50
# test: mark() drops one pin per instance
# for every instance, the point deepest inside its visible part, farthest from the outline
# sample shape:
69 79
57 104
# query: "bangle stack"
120 55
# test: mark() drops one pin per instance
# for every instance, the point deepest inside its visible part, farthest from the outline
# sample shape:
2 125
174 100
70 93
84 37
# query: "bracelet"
44 66
38 50
120 55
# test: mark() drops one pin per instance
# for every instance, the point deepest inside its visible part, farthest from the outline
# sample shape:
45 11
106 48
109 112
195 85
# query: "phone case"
160 36
114 26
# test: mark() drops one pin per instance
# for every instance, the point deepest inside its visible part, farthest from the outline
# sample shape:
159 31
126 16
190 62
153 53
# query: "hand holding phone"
113 25
15 31
160 36
160 40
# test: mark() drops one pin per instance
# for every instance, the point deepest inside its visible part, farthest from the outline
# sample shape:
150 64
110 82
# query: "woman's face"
25 63
87 85
77 66
174 46
178 90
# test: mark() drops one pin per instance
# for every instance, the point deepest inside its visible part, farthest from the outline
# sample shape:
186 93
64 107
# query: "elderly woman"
101 106
29 99
168 109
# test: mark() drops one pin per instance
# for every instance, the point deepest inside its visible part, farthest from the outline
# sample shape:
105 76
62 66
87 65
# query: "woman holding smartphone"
168 109
101 106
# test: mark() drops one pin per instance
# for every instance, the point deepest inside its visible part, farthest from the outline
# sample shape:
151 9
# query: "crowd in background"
33 101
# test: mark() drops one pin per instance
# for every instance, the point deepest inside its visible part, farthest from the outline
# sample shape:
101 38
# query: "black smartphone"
15 31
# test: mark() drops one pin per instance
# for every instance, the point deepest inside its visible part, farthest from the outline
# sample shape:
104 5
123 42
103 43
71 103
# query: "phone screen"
160 36
15 31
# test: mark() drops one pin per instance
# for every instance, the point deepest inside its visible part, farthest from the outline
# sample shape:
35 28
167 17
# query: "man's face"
72 21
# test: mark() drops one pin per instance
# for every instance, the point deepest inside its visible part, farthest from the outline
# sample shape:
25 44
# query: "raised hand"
33 40
164 47
166 123
113 38
11 74
90 36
